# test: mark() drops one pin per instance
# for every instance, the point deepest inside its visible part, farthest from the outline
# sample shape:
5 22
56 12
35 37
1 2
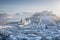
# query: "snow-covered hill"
44 26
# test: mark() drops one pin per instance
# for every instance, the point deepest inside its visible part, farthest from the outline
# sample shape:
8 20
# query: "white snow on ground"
42 27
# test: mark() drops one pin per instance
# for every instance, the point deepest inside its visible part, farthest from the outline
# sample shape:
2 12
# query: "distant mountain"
23 14
3 18
44 17
41 18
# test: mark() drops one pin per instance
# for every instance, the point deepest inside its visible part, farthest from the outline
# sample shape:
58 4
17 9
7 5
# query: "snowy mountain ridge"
43 26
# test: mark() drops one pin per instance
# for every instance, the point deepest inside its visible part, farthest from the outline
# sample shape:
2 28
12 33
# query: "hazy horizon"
16 6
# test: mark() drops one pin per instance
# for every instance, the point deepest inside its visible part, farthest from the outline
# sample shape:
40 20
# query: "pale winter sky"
15 6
